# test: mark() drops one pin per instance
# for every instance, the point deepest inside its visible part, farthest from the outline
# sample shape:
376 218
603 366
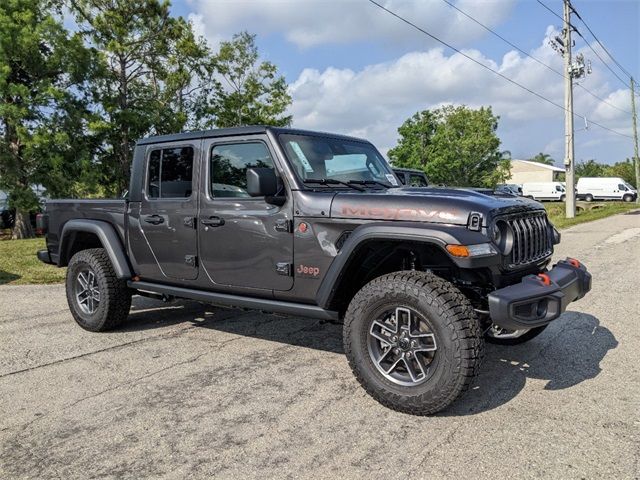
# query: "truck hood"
435 205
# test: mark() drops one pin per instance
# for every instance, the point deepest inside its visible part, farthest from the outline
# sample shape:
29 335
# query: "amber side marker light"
458 250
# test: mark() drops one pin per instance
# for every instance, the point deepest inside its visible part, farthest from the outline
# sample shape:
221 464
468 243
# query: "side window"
622 187
153 185
228 167
417 181
558 188
402 178
170 173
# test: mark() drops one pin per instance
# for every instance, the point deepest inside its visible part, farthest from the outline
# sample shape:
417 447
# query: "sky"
354 69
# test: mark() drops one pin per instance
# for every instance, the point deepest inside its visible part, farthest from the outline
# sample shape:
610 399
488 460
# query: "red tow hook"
545 279
574 262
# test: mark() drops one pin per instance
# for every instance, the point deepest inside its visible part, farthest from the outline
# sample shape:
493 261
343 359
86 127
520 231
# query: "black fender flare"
435 234
108 238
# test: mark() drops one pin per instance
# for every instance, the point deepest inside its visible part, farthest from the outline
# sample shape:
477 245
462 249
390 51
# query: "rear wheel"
588 197
98 300
413 341
502 336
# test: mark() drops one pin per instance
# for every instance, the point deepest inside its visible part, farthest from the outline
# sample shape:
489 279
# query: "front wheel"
98 300
501 336
588 197
628 198
413 341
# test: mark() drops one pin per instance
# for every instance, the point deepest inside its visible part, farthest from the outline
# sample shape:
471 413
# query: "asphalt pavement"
187 390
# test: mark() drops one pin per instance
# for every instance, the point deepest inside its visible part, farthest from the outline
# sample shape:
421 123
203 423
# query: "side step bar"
277 306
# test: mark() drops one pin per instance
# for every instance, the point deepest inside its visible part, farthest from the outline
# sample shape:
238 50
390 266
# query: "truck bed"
59 212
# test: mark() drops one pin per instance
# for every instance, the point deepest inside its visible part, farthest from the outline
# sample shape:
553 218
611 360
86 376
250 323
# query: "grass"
556 212
19 264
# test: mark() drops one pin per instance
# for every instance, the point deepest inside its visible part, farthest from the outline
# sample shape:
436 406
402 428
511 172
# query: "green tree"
454 146
591 168
42 112
544 158
624 170
149 74
245 90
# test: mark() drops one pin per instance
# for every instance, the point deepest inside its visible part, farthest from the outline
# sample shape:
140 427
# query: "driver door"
243 241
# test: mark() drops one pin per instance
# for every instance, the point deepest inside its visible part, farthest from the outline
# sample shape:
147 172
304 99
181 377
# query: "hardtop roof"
237 131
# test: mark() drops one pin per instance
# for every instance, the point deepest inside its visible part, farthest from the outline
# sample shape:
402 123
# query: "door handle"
212 221
154 219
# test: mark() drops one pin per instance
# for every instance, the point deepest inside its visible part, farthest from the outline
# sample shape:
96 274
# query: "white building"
523 171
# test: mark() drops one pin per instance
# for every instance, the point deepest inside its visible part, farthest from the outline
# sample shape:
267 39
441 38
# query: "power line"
586 41
626 72
542 97
531 56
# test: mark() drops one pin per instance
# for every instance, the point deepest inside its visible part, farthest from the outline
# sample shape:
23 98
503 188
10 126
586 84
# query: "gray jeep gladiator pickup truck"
317 225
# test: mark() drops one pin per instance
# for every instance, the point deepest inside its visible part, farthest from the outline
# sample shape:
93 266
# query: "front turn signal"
458 250
478 250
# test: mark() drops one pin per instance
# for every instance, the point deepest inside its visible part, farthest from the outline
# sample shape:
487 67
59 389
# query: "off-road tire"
115 296
525 337
453 322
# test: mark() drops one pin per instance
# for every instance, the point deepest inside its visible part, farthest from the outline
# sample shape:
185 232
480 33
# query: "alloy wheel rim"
402 346
87 291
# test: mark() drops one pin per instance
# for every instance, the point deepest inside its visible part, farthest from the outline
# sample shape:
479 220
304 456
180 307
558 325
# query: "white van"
605 188
544 191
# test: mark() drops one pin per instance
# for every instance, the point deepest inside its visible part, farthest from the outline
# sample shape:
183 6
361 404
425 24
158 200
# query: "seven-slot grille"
531 238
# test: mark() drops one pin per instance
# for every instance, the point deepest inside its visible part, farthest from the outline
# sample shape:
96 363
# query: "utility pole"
568 113
636 160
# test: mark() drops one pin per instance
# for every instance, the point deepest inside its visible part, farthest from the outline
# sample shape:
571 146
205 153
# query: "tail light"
41 224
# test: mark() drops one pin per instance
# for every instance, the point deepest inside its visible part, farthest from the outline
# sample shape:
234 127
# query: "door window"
170 173
417 181
622 187
228 167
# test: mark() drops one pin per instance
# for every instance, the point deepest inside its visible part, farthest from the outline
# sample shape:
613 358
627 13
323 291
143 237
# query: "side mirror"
262 182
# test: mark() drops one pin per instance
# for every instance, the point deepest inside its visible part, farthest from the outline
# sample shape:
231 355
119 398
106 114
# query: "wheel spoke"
83 281
403 318
382 331
424 342
393 365
414 367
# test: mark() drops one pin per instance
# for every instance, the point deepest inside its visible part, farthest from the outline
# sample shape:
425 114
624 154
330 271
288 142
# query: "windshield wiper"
368 182
332 181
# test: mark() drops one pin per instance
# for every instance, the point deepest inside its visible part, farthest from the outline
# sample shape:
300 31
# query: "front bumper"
539 299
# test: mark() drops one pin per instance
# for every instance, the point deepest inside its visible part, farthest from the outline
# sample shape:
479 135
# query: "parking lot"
191 390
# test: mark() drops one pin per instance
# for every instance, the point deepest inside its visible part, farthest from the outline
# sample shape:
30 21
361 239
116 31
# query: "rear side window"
228 167
417 181
170 173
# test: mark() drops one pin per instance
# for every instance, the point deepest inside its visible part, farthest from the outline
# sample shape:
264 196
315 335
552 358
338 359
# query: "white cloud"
307 23
374 101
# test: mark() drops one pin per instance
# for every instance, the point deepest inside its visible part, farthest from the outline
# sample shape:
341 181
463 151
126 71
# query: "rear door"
169 208
244 241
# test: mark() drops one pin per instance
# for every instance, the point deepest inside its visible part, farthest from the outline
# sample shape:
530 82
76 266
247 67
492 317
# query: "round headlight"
502 236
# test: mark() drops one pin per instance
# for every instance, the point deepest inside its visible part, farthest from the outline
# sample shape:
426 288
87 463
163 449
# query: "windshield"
341 160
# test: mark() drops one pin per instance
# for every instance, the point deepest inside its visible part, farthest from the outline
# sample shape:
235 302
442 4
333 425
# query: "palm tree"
543 158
